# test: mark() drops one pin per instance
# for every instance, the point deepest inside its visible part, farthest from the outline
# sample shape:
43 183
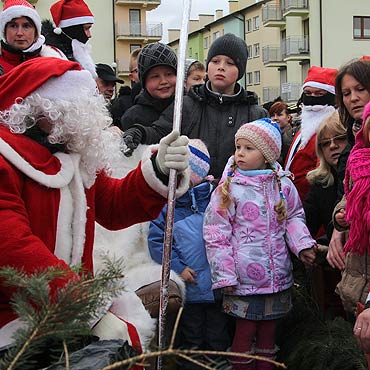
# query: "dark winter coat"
120 105
318 207
145 111
188 248
211 117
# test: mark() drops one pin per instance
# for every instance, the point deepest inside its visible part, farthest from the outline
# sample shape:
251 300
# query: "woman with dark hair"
352 87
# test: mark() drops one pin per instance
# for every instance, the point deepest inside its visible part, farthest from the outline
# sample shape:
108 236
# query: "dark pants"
204 326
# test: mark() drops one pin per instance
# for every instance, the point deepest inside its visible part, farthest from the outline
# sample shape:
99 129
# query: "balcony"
295 48
270 93
143 32
290 92
272 56
272 16
147 4
123 69
295 8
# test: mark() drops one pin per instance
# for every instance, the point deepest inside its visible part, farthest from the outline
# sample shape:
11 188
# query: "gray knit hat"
154 55
233 47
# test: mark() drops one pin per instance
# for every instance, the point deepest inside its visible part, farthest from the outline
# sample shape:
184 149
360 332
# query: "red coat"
304 160
43 198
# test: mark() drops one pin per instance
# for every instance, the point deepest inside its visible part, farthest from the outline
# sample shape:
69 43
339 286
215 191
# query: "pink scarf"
358 197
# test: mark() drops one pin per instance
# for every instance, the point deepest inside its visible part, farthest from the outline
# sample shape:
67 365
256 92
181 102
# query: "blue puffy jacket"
188 248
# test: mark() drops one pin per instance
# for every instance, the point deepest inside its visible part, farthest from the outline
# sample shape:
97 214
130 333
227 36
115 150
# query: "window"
249 78
134 20
256 50
205 43
257 77
250 52
248 25
256 23
361 27
216 35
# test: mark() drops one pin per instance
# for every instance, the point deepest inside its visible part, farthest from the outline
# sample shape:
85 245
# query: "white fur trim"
68 86
82 54
75 21
17 11
155 183
319 85
48 51
57 181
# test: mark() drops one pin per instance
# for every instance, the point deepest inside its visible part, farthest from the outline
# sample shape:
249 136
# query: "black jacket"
120 105
145 111
211 117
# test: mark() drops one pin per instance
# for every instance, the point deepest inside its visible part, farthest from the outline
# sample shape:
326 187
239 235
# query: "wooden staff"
172 183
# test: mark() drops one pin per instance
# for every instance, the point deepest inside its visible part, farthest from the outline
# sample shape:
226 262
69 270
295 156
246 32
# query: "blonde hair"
279 207
322 175
133 57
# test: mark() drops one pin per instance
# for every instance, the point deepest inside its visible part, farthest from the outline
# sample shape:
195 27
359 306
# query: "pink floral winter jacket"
247 246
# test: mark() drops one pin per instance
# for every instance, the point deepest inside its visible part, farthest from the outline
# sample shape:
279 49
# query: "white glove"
173 153
111 327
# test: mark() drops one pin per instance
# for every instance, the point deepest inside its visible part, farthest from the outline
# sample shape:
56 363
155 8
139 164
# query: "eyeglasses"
134 71
335 140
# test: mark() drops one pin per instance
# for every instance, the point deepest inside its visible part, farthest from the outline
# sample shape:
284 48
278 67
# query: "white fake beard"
82 54
312 117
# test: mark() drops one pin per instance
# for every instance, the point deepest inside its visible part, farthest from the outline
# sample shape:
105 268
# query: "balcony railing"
288 5
295 46
290 91
123 66
271 13
271 54
140 30
270 93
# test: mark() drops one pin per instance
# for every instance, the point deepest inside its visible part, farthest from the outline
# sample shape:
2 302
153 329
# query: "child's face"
248 157
160 82
195 77
223 74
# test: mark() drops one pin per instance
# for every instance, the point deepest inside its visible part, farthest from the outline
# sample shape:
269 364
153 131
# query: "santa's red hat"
321 78
52 78
16 9
67 13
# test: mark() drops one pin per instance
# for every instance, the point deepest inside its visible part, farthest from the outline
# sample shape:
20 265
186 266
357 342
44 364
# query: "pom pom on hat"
232 46
67 13
16 9
321 78
154 55
265 135
199 161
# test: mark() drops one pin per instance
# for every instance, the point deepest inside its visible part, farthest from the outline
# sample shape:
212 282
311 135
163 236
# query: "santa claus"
318 103
56 152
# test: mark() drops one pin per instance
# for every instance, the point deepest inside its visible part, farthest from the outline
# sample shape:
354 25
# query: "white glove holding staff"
173 153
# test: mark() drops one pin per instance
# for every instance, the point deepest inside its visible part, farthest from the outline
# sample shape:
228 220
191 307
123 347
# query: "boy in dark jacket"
212 112
157 64
203 325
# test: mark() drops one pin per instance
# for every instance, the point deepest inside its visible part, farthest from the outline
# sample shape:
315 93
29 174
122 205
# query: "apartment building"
120 27
313 32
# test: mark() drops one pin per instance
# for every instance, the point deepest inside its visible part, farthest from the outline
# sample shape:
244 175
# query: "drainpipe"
321 41
114 31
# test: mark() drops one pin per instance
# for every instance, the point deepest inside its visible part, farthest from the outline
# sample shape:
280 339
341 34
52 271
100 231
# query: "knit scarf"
358 200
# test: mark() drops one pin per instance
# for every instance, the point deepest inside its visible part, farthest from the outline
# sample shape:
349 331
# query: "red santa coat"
47 213
302 162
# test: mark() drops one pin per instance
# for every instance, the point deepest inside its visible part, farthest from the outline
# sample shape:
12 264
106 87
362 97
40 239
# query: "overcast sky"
170 12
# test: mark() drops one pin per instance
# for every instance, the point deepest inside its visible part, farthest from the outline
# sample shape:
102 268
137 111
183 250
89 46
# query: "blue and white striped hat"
199 161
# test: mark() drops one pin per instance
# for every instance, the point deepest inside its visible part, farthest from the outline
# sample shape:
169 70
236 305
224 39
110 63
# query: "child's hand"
340 218
189 275
228 290
308 256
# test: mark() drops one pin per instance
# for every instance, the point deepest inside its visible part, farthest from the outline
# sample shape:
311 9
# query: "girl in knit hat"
203 325
254 218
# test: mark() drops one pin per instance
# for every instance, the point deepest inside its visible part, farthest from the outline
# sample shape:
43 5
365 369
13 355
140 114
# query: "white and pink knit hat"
199 161
265 135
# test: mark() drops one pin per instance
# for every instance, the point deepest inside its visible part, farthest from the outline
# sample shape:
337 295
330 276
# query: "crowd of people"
256 187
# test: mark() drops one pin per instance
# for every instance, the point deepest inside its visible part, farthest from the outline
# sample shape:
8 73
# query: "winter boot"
243 363
267 353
